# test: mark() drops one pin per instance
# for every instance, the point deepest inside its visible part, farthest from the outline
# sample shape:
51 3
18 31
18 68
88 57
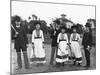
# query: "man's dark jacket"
21 39
54 37
87 39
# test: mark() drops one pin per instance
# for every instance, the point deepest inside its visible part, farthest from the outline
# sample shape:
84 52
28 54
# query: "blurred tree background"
56 22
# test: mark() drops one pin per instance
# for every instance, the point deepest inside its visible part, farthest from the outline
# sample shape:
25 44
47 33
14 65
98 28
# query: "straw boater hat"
63 27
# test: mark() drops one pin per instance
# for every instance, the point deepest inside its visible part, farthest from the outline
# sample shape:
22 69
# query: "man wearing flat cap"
87 43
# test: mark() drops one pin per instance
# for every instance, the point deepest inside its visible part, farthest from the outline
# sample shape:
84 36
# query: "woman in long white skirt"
62 54
75 47
37 41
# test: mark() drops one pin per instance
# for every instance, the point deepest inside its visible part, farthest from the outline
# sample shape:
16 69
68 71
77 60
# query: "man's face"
17 24
87 29
57 27
54 26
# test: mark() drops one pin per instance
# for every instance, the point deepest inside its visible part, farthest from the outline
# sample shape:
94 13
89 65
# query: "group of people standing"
68 47
62 48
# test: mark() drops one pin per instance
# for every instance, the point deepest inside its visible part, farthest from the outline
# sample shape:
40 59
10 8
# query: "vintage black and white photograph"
52 37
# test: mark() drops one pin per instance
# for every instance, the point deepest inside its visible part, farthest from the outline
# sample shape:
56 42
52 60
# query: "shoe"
38 64
41 64
74 63
63 64
28 67
87 66
18 68
51 63
58 64
79 64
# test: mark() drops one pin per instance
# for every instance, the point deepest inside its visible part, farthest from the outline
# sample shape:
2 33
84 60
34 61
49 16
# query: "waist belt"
62 40
38 37
74 40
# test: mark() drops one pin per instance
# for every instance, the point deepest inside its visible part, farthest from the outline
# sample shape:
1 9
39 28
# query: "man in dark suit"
20 43
54 35
87 44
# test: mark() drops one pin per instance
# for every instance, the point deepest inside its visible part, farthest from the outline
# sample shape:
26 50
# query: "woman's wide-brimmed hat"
74 27
38 22
63 27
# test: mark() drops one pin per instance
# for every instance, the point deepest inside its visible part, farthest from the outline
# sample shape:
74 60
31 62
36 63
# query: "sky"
47 11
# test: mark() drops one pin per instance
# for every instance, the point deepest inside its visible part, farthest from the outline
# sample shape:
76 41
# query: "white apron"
75 47
62 54
38 48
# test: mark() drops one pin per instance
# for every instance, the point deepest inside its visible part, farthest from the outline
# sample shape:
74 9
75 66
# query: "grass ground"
46 67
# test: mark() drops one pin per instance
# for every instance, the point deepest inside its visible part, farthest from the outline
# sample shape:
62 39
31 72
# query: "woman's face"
63 30
74 30
38 26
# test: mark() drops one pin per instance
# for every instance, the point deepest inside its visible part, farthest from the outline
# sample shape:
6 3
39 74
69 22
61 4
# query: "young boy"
20 43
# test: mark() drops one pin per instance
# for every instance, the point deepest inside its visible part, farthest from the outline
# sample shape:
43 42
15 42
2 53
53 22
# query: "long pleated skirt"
39 51
62 54
76 51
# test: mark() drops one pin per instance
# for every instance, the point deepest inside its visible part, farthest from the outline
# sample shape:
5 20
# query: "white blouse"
65 37
34 34
74 37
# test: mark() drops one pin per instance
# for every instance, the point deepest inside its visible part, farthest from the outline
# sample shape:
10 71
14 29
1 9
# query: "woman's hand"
33 45
43 45
27 45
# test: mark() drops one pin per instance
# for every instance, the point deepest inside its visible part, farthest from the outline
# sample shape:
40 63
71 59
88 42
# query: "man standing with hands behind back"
87 44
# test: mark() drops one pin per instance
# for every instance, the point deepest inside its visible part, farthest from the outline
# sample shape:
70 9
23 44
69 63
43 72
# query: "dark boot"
87 56
63 64
52 55
19 60
74 63
26 62
79 64
58 64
